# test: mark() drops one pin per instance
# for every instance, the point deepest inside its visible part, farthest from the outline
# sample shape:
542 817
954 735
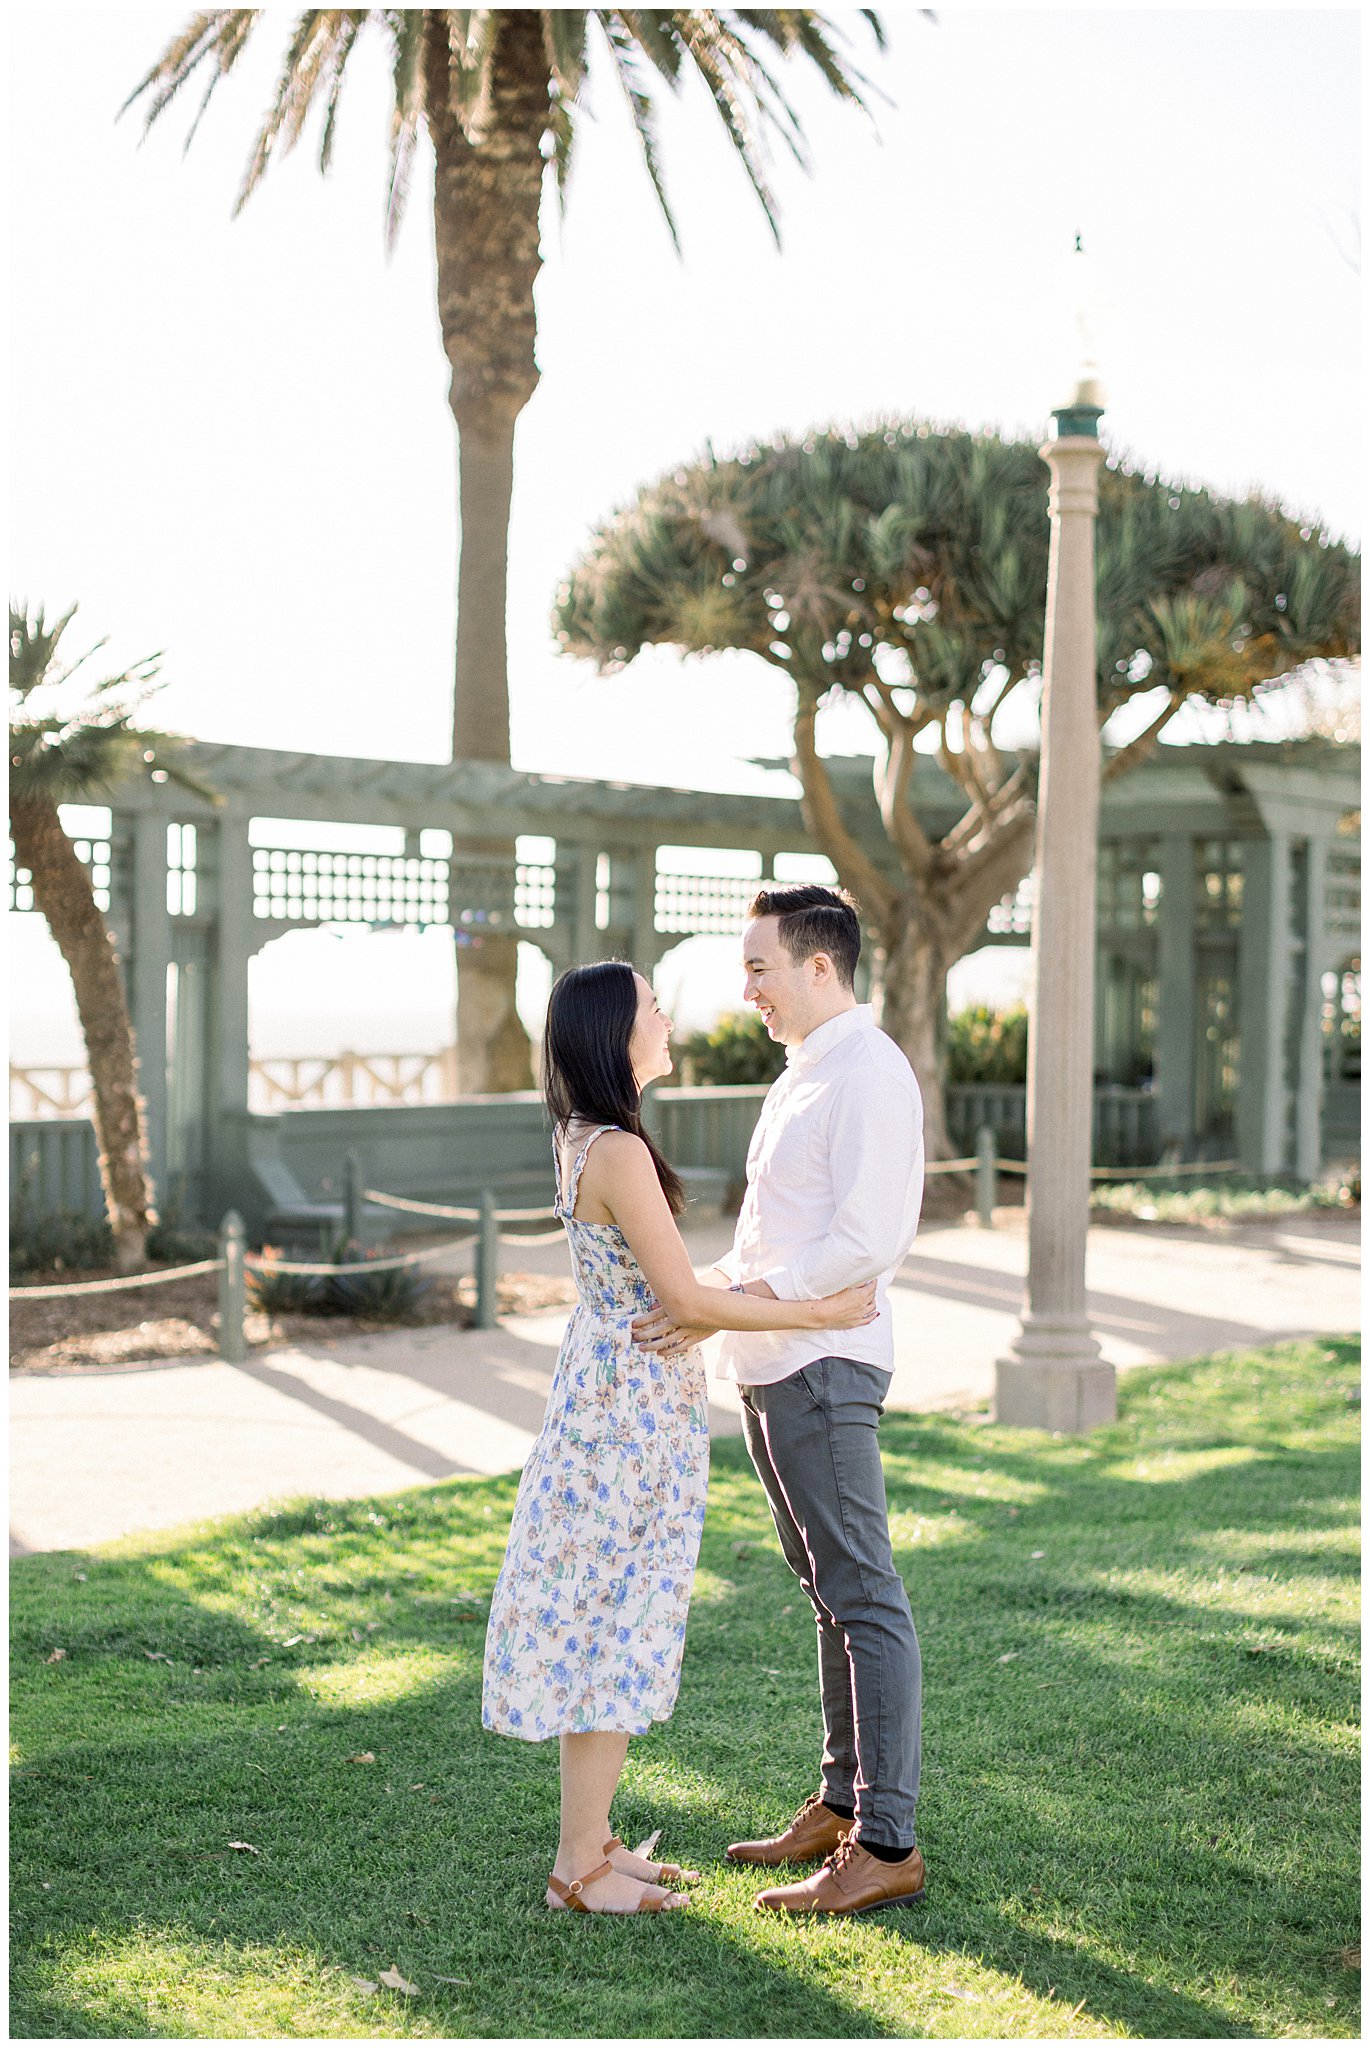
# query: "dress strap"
566 1205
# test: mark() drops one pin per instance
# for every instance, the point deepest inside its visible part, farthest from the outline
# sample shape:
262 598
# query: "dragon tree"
904 565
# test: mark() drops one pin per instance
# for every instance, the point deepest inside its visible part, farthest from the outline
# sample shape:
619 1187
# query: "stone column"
1054 1378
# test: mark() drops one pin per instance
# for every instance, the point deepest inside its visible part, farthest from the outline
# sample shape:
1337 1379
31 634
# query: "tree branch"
892 780
1004 797
981 859
991 874
1128 756
824 820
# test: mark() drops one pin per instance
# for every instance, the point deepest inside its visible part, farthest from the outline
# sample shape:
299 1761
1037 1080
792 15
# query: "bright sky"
230 439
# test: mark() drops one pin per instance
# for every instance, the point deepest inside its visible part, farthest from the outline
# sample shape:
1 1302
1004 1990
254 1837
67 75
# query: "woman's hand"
850 1309
655 1331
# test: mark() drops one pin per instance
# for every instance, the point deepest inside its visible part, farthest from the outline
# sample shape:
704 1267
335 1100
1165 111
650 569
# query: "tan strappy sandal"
666 1873
571 1893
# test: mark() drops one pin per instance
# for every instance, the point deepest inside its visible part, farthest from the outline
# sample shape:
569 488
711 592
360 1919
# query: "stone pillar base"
1055 1379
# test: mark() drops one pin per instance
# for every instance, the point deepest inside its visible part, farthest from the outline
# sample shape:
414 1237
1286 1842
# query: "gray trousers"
812 1439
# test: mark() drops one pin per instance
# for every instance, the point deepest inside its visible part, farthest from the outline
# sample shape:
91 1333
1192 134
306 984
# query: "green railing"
452 1149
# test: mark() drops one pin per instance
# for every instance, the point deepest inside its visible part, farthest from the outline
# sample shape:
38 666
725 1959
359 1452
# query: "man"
834 1188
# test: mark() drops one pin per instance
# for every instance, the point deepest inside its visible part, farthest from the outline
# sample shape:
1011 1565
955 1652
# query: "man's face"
781 989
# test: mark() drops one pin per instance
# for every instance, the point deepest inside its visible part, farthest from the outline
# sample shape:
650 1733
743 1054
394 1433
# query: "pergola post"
1175 990
1263 975
233 948
1308 1109
151 957
1054 1378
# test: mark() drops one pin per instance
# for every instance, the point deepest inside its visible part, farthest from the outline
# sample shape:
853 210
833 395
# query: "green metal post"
352 1200
232 1290
487 1263
986 1177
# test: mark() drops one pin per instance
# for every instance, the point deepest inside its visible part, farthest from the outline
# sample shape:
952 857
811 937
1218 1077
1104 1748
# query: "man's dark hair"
814 919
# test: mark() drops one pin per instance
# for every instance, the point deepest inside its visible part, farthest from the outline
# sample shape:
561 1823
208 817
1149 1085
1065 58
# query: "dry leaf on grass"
157 1656
363 1756
54 1657
395 1982
366 1984
645 1848
451 1980
1007 1657
249 1847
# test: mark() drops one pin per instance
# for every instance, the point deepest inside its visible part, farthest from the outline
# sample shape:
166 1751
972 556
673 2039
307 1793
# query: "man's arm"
876 1157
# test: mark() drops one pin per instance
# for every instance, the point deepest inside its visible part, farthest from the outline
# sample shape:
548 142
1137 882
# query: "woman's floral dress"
587 1622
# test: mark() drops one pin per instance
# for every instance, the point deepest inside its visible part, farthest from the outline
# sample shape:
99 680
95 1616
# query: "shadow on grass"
1117 1815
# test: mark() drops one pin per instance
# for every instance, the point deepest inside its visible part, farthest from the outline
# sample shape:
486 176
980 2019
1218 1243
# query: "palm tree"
498 91
906 567
70 747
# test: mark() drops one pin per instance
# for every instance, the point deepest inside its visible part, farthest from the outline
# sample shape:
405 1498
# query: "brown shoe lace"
842 1855
806 1809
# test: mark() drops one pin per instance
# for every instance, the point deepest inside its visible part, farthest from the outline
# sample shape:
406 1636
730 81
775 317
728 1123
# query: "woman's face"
649 1047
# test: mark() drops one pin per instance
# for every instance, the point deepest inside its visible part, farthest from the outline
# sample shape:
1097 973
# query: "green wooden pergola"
1228 924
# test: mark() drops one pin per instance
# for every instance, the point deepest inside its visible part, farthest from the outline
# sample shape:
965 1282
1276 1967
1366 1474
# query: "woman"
587 1622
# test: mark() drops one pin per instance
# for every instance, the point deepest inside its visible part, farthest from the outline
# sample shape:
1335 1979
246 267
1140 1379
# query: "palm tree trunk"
63 892
487 200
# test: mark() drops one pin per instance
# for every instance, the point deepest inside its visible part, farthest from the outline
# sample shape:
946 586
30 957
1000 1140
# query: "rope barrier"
414 1208
445 1209
113 1286
1129 1173
256 1264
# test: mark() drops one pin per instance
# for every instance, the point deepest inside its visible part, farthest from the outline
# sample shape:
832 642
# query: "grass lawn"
1140 1790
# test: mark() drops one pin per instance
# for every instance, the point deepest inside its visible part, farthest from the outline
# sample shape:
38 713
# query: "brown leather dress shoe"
850 1881
813 1833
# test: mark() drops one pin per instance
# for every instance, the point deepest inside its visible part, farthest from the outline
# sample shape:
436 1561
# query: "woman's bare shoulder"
619 1148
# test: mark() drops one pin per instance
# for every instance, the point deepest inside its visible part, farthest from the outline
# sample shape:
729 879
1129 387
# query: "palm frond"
342 50
563 39
472 38
308 59
730 83
561 122
407 78
626 55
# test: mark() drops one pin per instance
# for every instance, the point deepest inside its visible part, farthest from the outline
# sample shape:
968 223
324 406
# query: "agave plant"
498 92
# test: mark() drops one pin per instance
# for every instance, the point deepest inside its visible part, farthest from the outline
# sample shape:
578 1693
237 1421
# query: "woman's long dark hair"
586 1070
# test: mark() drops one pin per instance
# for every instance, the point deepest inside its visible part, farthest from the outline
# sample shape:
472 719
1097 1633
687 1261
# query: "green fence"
267 1164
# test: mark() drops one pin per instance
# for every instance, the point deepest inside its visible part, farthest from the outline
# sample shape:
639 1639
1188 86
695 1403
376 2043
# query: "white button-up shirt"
834 1187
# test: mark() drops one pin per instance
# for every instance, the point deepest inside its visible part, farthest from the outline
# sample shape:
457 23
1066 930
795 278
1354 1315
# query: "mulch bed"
100 1332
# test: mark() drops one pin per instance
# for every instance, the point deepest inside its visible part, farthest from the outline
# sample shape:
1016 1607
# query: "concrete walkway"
103 1454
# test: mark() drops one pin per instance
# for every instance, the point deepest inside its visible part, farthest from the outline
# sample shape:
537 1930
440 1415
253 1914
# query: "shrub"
1235 1197
737 1051
987 1046
58 1240
390 1296
281 1294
